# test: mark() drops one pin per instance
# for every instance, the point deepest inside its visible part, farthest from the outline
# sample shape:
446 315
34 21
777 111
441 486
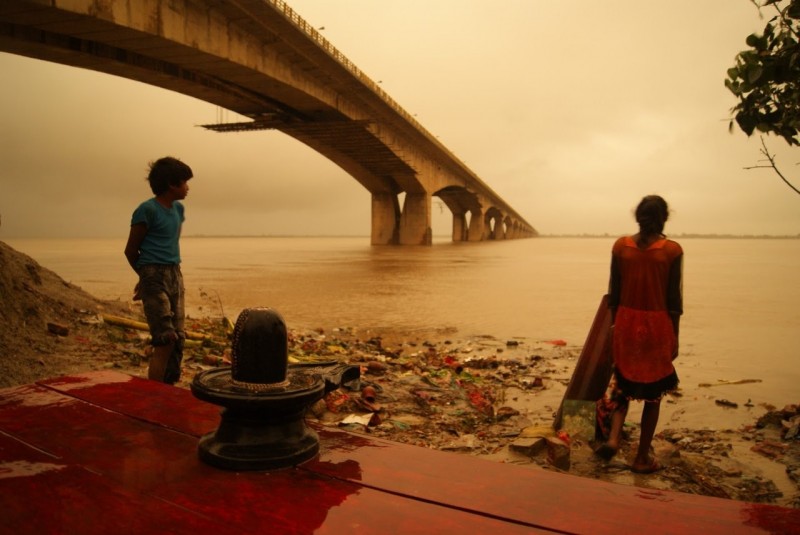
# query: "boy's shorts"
161 290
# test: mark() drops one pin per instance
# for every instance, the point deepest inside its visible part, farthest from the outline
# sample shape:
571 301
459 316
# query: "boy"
153 252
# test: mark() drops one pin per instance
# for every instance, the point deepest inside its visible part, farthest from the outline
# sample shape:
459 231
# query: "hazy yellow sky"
571 111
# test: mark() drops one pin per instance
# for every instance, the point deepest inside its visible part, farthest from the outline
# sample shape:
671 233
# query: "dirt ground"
485 397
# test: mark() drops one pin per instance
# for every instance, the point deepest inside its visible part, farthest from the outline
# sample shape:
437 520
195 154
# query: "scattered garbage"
728 383
58 329
461 396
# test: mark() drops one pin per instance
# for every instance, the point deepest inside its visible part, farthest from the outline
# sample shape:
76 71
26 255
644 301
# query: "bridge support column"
385 215
488 232
476 226
415 221
459 227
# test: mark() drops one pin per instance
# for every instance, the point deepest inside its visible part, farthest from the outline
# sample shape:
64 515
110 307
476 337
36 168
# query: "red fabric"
644 338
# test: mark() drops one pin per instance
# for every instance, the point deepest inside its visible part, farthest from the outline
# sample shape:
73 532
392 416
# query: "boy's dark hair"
166 172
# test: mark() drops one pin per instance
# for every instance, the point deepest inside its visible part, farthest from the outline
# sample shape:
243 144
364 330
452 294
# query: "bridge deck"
105 451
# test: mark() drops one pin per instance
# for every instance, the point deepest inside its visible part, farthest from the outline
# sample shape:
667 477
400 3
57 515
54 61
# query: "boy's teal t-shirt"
160 245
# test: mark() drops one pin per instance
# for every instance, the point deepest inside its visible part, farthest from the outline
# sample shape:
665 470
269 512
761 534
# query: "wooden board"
151 474
133 443
595 364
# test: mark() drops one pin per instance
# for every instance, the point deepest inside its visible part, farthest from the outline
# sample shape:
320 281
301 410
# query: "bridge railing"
301 23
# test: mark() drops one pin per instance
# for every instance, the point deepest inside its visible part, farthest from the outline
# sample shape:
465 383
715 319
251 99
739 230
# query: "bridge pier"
385 216
476 227
415 221
411 226
459 227
499 230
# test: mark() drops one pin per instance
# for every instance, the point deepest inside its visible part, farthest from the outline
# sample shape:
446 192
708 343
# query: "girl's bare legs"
650 413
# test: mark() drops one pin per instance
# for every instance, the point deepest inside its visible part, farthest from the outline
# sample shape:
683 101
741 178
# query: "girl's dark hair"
651 214
166 172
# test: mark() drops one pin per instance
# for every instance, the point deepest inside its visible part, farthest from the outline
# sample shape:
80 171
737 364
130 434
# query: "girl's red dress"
645 289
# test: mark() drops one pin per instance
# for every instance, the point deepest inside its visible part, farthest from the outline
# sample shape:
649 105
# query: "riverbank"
482 396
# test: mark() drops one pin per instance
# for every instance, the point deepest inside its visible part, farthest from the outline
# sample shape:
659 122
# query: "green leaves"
754 73
756 41
766 78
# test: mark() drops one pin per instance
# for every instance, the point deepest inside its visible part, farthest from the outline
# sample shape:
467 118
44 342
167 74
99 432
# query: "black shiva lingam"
264 399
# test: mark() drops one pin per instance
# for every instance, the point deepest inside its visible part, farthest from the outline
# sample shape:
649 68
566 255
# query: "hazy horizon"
689 235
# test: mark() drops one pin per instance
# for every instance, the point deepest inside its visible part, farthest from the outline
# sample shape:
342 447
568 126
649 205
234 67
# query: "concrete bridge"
260 59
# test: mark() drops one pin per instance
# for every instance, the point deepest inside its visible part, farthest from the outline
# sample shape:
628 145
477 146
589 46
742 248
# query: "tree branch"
786 22
765 151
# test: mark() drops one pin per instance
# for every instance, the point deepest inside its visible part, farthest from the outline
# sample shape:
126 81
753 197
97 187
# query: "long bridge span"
260 59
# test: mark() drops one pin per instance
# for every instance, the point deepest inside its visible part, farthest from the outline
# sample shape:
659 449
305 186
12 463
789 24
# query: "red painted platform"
108 453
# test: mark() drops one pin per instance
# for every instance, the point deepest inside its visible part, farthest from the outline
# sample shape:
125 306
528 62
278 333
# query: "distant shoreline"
603 236
441 237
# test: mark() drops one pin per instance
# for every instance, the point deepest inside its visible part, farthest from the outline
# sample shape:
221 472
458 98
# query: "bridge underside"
259 59
381 171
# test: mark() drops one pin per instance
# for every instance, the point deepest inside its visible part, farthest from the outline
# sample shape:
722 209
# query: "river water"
741 314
